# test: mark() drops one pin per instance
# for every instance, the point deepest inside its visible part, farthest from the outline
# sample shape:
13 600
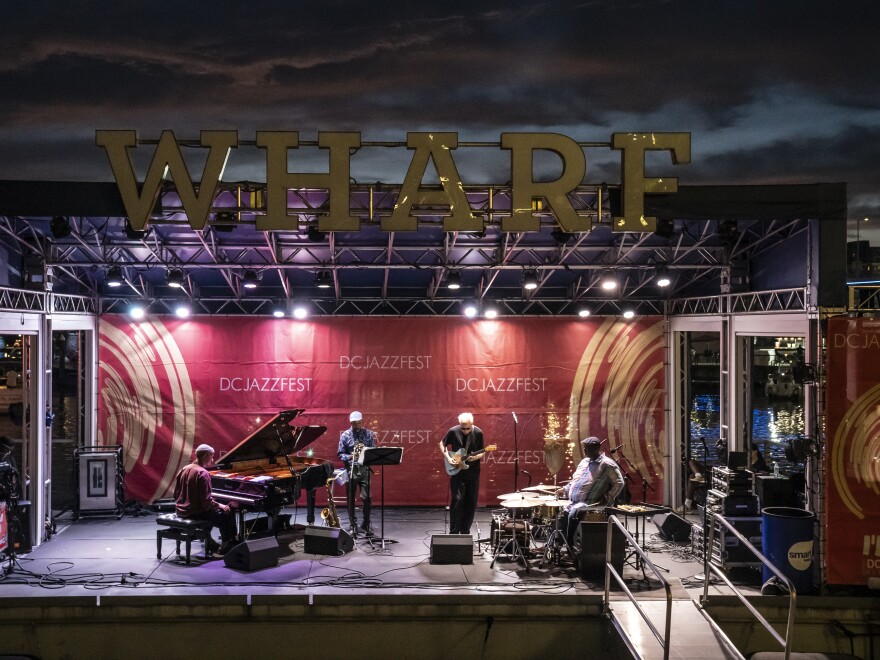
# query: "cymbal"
521 504
543 488
508 496
556 503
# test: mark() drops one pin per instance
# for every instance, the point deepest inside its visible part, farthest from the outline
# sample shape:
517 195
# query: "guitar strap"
467 444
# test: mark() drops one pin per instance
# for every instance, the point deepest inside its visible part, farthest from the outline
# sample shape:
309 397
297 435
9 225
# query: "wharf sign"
526 193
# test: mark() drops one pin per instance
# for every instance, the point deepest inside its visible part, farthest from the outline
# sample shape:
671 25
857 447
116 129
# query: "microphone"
528 474
617 448
515 420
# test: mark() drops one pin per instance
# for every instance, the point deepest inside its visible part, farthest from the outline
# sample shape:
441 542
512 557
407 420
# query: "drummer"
595 484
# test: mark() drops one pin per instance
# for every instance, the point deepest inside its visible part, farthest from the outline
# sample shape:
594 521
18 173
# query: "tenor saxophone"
328 513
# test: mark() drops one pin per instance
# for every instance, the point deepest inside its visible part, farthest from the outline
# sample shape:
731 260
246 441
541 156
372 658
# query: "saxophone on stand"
328 513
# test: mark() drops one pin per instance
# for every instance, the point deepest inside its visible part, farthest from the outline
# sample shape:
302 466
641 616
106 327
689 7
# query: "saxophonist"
352 441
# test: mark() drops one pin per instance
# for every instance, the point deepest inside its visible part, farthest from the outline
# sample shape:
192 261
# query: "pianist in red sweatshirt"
192 494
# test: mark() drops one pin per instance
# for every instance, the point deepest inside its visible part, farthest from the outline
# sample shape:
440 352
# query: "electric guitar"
455 468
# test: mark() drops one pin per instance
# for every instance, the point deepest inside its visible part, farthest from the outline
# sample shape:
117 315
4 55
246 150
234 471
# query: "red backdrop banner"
168 385
852 523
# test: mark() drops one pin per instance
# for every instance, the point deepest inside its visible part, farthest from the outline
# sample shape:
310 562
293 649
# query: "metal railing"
609 571
785 642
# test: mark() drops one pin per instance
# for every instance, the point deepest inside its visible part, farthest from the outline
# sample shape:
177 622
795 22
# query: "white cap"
204 447
355 416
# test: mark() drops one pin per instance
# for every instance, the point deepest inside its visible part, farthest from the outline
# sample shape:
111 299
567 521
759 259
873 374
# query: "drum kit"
525 516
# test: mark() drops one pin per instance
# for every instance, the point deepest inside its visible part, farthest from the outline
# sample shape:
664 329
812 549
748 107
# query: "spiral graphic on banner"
856 447
146 389
618 393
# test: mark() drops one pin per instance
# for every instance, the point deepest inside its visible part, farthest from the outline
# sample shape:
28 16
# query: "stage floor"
118 557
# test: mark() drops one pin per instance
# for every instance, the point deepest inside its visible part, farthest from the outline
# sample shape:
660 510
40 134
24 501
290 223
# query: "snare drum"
549 511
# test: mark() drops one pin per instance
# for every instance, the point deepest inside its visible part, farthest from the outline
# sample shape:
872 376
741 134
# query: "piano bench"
182 529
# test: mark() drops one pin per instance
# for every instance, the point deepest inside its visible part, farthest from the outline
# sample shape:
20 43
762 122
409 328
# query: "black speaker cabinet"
452 549
327 541
673 528
774 491
253 554
589 547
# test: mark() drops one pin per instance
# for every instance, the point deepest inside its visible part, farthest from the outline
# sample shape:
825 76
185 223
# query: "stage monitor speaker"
253 554
673 527
589 548
327 541
452 549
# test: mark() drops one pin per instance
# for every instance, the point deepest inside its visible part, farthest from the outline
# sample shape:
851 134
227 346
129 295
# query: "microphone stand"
515 456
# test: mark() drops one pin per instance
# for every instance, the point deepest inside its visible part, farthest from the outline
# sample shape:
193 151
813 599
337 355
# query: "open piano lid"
273 439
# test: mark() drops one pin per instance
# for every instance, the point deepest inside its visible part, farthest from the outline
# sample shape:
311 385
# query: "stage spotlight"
491 313
324 279
530 280
279 310
561 237
470 310
300 312
628 314
608 280
661 276
250 280
315 235
583 312
114 277
175 278
137 311
134 234
665 227
453 280
182 311
60 227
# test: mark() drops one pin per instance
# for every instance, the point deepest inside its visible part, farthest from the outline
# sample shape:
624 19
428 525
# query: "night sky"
772 92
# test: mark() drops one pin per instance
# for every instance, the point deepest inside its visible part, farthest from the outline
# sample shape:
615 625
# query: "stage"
97 584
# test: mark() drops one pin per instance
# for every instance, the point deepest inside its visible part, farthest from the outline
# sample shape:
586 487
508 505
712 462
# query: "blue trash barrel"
787 541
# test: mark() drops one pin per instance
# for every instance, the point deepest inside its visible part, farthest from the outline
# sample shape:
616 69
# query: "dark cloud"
772 91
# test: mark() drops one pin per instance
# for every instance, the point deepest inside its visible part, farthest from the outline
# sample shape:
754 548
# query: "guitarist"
465 484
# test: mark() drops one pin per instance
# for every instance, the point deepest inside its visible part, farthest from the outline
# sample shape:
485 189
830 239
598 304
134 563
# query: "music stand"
381 456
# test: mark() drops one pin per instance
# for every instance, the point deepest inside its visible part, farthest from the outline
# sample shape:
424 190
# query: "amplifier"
698 542
732 482
732 505
728 551
775 491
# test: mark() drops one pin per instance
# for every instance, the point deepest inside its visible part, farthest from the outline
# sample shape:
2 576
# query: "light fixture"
182 311
453 280
59 226
300 312
114 277
279 310
315 235
250 280
661 276
137 311
470 310
665 227
134 234
530 280
608 281
491 313
175 278
628 314
323 279
583 312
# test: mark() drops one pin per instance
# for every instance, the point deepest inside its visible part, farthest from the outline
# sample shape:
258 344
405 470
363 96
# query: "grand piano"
262 473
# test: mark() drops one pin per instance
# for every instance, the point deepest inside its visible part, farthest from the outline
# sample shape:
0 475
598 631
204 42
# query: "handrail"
785 642
609 571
